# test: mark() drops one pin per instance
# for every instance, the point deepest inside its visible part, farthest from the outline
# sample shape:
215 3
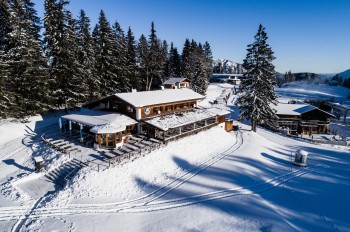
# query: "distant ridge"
345 74
227 66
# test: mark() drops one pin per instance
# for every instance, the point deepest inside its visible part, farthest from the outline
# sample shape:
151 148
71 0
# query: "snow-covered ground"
211 181
303 90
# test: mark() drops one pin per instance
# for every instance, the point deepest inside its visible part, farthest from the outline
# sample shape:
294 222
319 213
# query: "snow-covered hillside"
345 74
226 66
210 181
304 90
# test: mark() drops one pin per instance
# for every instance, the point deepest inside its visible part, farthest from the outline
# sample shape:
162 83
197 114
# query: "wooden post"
99 140
98 167
107 140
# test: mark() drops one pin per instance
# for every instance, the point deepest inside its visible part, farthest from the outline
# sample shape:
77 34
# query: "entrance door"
110 140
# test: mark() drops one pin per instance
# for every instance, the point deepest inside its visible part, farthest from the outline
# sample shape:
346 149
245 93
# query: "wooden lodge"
162 114
176 83
300 119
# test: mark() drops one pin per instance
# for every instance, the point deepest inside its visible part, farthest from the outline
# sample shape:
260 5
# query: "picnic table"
155 140
117 152
131 146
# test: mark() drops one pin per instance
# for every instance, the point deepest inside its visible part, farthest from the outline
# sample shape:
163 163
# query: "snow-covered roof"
296 109
175 120
218 111
38 159
108 128
98 118
174 80
293 109
146 98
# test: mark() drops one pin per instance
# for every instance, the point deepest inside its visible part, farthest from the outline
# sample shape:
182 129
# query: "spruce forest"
60 61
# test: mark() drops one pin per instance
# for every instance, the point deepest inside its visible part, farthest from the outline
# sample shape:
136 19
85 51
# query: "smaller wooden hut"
176 83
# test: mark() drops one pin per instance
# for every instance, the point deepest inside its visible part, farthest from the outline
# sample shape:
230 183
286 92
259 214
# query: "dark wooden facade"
314 121
115 104
164 109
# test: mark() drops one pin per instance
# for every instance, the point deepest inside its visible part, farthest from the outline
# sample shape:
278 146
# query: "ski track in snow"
149 202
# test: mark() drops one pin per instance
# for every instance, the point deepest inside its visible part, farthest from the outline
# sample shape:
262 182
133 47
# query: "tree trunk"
253 125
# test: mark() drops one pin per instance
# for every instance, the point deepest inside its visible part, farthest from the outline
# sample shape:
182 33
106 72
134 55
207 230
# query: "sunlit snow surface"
211 181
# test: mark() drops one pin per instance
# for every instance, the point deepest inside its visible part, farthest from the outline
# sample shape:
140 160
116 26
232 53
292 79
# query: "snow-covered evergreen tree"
121 58
143 62
156 61
25 67
199 77
256 90
105 45
174 62
5 29
186 60
34 18
61 48
207 52
86 57
165 58
131 65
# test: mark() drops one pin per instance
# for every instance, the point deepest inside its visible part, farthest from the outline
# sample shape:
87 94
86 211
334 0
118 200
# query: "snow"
174 80
108 128
156 168
176 120
147 98
211 181
292 109
98 118
303 90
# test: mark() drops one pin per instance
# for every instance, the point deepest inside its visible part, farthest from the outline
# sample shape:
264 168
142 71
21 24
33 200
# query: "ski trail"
166 204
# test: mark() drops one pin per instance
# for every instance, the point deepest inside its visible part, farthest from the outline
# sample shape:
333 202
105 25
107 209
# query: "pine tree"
5 29
121 58
156 62
256 90
131 65
86 57
200 71
61 48
33 17
207 52
74 85
143 62
105 52
208 57
165 58
185 60
25 67
174 62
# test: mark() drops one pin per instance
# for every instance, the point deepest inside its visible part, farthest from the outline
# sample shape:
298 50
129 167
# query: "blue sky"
306 35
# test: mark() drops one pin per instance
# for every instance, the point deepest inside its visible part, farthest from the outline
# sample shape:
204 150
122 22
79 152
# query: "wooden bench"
130 146
155 140
108 155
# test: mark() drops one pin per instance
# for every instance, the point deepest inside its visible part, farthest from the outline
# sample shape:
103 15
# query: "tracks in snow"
151 202
161 205
5 213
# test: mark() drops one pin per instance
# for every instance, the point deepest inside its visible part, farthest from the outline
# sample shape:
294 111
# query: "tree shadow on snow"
278 206
14 163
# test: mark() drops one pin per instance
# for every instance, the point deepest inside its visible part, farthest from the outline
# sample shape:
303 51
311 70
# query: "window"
130 109
168 108
157 110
